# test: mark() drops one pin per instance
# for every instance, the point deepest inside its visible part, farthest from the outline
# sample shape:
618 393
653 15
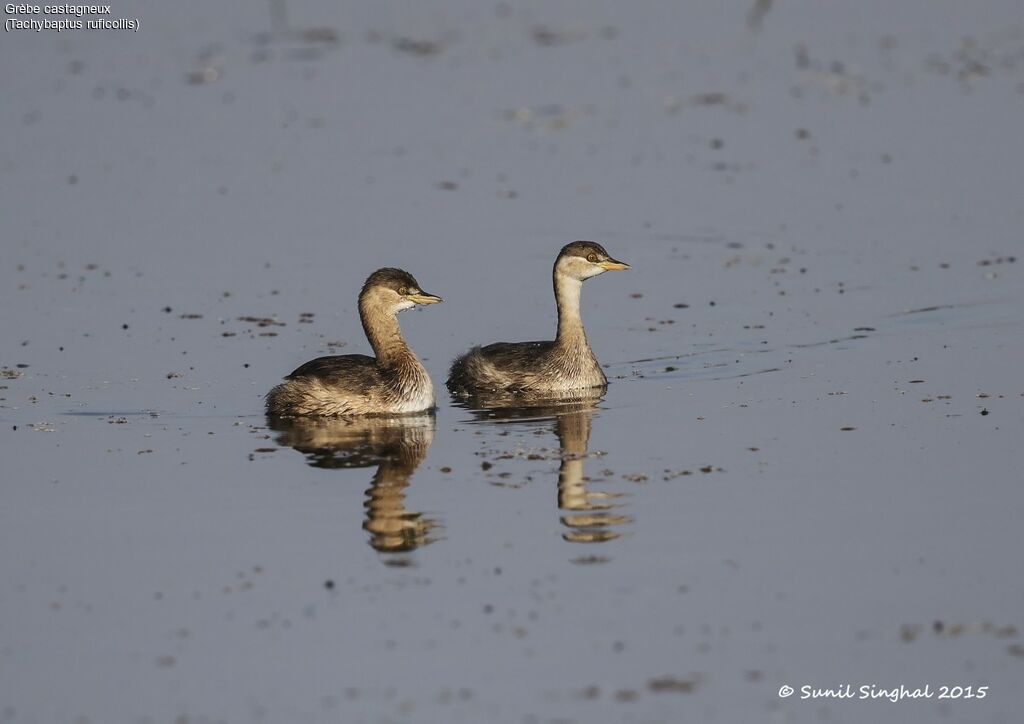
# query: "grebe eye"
592 258
403 291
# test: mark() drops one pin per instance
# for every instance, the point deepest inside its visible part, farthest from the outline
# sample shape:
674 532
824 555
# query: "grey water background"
806 470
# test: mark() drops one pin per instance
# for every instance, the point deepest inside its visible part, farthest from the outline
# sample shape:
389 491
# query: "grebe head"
394 290
584 259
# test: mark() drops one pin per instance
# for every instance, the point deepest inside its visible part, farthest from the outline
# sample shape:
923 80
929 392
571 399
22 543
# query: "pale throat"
567 297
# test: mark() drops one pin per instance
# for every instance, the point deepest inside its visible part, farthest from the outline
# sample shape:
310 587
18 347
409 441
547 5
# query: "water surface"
805 469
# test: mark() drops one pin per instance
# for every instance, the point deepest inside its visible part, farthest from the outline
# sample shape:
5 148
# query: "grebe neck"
385 336
570 324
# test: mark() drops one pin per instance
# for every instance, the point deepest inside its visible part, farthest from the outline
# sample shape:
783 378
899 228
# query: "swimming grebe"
393 382
568 363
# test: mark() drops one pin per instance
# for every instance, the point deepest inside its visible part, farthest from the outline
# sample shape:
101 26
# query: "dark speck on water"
414 46
672 684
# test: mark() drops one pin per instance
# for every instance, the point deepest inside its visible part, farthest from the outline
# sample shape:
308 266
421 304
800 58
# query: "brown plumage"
392 382
565 364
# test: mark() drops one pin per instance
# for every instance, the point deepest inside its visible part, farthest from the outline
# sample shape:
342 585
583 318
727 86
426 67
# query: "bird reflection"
396 445
589 516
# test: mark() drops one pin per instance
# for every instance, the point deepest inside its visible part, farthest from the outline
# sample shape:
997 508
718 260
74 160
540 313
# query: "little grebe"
392 382
565 364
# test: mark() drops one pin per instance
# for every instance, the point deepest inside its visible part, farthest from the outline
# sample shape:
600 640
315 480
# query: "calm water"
805 471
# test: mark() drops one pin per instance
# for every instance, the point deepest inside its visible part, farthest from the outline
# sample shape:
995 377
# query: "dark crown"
583 249
391 278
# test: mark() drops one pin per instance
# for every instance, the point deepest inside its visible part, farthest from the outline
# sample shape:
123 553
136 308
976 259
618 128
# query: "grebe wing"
504 353
339 368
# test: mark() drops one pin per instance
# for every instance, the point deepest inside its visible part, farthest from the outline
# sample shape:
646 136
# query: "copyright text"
892 694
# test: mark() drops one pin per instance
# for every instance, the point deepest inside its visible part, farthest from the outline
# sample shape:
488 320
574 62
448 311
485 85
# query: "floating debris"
673 685
203 76
909 632
262 321
547 37
713 99
322 34
414 46
757 13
